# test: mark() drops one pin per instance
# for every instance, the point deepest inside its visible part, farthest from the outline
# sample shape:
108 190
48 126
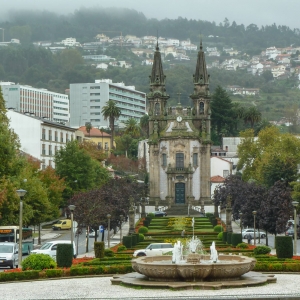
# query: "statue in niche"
157 109
201 108
203 125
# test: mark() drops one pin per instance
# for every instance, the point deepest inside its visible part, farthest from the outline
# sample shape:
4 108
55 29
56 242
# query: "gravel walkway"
287 287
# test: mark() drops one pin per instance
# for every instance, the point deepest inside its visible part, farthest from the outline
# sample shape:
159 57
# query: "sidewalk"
114 240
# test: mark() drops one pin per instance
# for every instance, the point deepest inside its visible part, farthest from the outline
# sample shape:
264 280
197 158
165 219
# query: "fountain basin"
228 267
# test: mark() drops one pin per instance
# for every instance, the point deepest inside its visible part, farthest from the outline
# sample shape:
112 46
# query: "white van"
9 255
49 248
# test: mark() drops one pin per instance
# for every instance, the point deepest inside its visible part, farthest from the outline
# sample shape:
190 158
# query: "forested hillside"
39 67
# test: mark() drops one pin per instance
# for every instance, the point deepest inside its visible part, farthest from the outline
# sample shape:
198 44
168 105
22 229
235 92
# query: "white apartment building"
39 102
70 42
88 99
40 138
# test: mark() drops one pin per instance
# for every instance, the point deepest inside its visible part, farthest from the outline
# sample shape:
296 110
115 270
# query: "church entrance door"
179 193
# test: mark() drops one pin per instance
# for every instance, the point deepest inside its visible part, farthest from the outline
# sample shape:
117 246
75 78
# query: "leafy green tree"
80 171
111 112
270 157
144 124
88 127
252 116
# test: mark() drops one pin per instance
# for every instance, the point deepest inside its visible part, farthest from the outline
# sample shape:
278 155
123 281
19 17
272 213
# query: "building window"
225 173
164 160
56 137
43 149
179 161
50 150
61 137
195 159
99 145
201 107
43 134
50 163
50 135
106 146
67 138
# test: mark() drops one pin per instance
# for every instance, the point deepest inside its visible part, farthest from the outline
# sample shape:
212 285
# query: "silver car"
261 233
9 255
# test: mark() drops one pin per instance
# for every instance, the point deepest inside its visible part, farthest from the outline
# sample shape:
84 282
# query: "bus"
11 234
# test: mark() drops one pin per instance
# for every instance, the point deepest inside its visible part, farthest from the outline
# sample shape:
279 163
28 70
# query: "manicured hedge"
99 248
284 246
229 235
15 276
127 241
224 239
64 255
236 238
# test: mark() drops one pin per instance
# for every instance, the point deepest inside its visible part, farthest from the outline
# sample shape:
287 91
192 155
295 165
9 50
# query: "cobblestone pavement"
287 287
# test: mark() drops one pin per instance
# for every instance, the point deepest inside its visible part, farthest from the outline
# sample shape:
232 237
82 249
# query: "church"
179 141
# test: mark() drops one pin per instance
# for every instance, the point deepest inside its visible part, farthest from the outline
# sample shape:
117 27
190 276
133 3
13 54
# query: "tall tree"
222 113
252 116
144 124
111 112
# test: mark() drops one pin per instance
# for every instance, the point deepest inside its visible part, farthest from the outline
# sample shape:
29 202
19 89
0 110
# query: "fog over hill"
260 12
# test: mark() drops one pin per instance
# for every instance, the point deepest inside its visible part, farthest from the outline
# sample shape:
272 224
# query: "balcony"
179 170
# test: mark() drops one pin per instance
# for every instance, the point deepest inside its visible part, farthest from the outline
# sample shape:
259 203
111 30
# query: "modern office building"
38 102
88 99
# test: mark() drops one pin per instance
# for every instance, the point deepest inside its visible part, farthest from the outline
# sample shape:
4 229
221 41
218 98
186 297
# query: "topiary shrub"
121 248
242 246
209 215
224 236
214 221
109 253
229 234
218 228
220 236
64 255
127 241
151 215
146 223
141 237
284 246
143 229
236 238
135 239
99 248
38 261
261 250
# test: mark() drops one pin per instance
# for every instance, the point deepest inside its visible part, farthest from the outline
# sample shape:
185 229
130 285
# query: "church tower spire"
157 96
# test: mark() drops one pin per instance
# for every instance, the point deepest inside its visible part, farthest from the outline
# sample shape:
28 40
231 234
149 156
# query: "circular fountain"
193 270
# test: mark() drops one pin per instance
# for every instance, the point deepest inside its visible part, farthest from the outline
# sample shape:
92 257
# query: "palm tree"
88 127
132 127
252 116
111 112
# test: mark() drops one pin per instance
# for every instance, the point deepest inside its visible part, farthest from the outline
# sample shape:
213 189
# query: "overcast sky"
260 12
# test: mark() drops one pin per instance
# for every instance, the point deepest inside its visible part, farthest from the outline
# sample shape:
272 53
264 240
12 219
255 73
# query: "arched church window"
201 108
157 109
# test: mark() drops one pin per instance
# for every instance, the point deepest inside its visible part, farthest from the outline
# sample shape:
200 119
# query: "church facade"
179 141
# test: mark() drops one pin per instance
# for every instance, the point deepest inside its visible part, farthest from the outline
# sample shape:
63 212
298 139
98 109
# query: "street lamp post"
295 203
241 223
72 208
254 214
21 193
108 230
121 220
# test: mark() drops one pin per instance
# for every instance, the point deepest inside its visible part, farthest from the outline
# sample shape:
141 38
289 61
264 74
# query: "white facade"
88 99
40 138
70 42
39 102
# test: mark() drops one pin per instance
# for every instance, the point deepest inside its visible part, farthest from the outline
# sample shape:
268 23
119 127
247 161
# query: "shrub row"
277 266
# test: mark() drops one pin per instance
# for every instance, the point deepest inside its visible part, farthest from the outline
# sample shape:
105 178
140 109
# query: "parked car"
50 248
154 249
159 213
9 255
290 232
63 224
261 233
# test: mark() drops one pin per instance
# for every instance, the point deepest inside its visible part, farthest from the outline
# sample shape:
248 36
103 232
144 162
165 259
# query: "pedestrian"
249 238
182 233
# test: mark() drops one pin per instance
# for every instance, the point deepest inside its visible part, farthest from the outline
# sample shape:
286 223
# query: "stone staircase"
182 210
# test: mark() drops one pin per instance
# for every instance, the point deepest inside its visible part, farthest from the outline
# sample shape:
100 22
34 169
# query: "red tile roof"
217 179
94 132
